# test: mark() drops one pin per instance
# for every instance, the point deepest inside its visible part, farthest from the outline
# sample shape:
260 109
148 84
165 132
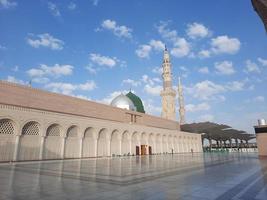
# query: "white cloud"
205 90
111 96
91 69
197 30
224 67
259 99
95 2
103 60
69 88
203 70
206 118
157 45
157 70
143 51
72 6
2 47
46 40
131 82
55 70
150 107
236 85
153 90
204 54
251 67
263 62
119 31
181 48
7 4
40 80
15 69
197 107
54 9
12 79
165 32
225 44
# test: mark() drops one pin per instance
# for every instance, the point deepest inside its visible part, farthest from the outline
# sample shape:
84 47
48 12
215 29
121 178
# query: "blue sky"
96 49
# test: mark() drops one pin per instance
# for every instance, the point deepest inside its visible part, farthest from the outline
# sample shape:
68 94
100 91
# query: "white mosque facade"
40 125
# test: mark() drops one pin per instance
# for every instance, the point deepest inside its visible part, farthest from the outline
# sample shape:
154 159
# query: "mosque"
41 125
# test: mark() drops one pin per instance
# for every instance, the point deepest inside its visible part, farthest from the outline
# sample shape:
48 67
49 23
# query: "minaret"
168 93
181 102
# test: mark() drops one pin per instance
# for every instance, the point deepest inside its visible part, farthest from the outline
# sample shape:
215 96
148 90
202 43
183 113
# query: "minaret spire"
168 93
181 102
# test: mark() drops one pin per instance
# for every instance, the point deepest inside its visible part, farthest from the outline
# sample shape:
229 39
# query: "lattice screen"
88 132
6 127
53 130
72 131
31 128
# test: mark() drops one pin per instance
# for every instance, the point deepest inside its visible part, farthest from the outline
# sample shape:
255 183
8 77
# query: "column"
81 148
63 147
42 143
17 146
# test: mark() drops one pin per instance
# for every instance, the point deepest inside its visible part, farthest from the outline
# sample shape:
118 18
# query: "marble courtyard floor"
180 176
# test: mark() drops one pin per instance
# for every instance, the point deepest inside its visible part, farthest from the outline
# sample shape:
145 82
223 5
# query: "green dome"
137 102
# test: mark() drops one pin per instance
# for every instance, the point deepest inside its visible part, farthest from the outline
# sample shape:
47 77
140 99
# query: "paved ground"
184 176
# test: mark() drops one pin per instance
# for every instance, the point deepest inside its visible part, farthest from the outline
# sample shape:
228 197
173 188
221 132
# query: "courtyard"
178 176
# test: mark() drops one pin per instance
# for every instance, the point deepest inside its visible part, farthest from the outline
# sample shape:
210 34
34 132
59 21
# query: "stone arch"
170 144
53 142
164 144
126 143
31 128
103 146
72 131
135 143
53 130
7 143
151 143
175 144
115 143
144 138
89 142
72 143
30 141
7 127
159 143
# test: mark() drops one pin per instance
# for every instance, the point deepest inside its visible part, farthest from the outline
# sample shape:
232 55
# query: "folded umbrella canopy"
260 6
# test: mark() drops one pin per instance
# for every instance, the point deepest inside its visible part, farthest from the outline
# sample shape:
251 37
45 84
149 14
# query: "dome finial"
166 48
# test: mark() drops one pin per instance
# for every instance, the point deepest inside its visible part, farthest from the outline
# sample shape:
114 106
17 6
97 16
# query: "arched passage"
103 143
151 144
115 143
126 143
7 137
164 144
72 145
144 143
135 144
175 144
53 142
159 143
170 144
30 141
89 143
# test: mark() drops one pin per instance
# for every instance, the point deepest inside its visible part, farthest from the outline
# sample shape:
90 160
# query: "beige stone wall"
89 137
36 125
27 97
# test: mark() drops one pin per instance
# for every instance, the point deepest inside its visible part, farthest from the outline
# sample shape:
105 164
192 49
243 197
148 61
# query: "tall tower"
181 102
168 93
